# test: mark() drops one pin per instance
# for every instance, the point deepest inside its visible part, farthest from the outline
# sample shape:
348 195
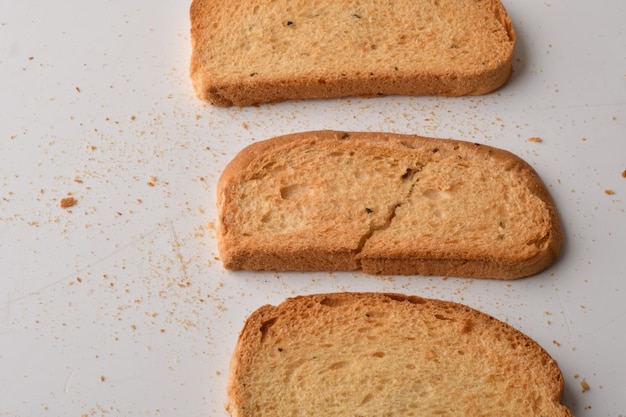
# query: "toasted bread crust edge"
250 337
251 91
254 258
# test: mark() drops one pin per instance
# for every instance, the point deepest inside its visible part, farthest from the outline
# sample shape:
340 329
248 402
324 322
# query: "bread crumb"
102 378
584 385
624 173
609 192
77 89
68 202
152 181
244 125
535 139
556 343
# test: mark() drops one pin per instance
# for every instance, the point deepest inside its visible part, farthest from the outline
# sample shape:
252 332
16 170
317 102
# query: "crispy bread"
386 204
374 354
257 51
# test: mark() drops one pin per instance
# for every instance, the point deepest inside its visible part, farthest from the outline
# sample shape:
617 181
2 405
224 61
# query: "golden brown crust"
252 52
387 244
376 335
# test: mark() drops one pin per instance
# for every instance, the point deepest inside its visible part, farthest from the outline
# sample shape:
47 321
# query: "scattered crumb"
102 378
609 192
556 343
244 125
624 173
68 202
77 89
534 139
584 385
152 181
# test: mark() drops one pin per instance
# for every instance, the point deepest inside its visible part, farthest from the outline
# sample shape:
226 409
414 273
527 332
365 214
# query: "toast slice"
250 52
385 204
375 354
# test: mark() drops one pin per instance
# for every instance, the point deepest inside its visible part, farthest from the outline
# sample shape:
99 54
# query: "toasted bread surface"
385 204
376 354
250 52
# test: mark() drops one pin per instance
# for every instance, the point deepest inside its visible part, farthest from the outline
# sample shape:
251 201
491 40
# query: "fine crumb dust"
584 385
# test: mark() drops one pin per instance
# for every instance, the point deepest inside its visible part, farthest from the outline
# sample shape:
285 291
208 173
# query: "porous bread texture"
250 52
376 354
385 204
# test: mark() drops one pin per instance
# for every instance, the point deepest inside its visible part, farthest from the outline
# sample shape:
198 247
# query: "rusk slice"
385 204
257 51
375 354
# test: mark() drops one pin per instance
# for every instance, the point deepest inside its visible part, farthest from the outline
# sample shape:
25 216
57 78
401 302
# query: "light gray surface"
119 305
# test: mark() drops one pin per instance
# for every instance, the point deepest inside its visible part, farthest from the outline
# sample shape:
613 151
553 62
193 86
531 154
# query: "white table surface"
119 305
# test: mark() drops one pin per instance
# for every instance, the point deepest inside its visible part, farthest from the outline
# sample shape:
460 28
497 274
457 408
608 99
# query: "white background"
119 305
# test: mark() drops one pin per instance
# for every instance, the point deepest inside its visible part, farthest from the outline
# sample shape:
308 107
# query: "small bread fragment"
258 51
386 204
377 354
